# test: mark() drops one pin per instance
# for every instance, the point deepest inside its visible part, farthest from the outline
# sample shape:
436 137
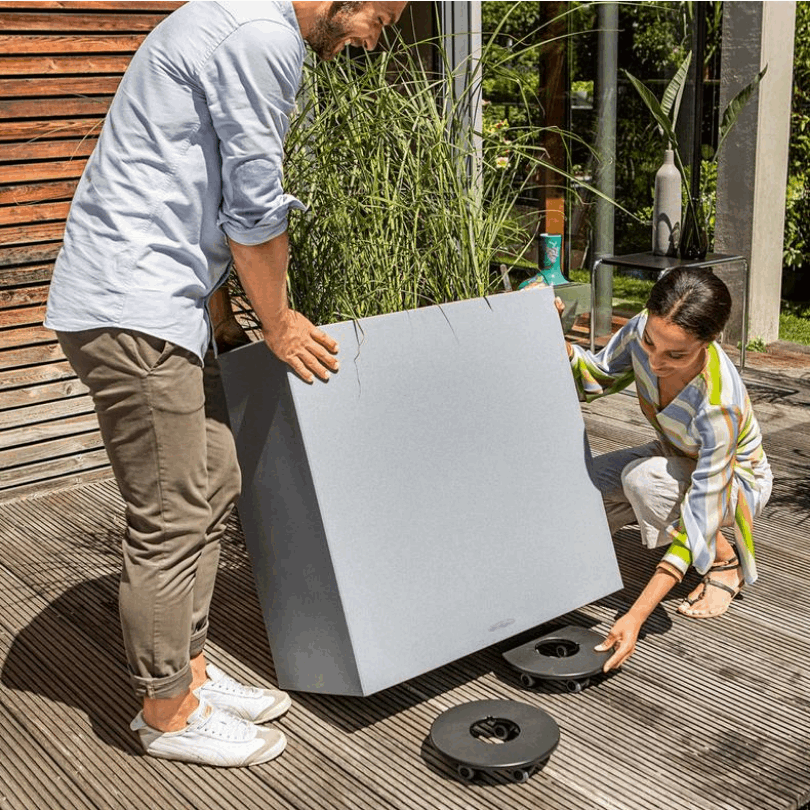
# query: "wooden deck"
709 715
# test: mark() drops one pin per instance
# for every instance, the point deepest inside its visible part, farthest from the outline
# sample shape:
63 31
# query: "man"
187 176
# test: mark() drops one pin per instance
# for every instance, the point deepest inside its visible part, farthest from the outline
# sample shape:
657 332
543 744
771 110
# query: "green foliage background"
654 38
797 211
515 50
398 220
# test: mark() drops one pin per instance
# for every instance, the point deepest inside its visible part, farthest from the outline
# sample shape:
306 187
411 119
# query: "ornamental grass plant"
404 209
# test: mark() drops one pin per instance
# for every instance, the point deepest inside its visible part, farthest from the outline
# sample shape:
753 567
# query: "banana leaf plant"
665 114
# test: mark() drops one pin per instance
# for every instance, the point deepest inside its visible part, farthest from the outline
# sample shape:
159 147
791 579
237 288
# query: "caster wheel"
527 681
466 773
575 686
565 655
499 738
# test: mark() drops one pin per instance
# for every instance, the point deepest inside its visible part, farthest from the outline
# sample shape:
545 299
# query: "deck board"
707 715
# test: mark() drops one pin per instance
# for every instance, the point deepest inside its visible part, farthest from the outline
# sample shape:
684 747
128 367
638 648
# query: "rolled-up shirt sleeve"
250 82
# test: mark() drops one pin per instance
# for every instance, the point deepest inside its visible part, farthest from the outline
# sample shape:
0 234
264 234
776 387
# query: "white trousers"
646 485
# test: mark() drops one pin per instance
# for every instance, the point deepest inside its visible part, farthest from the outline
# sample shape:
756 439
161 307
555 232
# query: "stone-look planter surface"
428 501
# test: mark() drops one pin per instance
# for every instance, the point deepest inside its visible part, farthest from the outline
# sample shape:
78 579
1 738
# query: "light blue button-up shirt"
190 152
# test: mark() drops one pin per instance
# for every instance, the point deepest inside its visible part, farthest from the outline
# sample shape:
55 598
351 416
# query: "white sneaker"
248 702
212 737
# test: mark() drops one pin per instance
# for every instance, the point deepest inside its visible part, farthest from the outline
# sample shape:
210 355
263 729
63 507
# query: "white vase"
666 228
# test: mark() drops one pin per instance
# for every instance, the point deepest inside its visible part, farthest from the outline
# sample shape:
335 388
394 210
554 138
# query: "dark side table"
654 267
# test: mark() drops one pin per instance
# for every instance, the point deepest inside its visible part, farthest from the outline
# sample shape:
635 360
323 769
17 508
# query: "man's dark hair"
694 299
346 7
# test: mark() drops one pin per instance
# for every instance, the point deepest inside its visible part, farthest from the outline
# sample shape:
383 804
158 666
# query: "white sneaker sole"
275 711
264 757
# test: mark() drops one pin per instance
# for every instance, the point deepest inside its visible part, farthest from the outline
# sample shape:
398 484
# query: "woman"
706 468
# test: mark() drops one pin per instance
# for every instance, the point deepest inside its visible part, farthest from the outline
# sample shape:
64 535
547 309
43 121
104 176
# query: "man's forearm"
262 269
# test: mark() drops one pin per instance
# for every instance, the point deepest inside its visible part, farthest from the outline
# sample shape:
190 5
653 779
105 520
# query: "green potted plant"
404 211
694 234
408 206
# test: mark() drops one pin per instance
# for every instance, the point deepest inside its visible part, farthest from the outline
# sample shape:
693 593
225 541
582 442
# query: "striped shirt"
711 421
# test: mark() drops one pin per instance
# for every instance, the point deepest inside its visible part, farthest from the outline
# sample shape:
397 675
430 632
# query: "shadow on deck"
706 715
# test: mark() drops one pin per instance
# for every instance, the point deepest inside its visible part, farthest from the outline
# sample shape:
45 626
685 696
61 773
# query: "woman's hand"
624 633
622 639
558 303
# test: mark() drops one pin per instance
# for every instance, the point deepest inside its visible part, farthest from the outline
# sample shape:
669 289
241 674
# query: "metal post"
606 172
752 165
461 31
697 99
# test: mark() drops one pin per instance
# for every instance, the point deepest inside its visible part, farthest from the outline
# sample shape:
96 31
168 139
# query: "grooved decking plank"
367 761
84 725
95 468
469 692
33 414
707 715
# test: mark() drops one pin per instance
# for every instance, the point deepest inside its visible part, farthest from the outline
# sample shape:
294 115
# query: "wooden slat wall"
60 64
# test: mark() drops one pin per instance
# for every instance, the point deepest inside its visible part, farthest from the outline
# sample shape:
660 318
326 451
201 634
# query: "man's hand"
306 349
228 334
622 639
262 269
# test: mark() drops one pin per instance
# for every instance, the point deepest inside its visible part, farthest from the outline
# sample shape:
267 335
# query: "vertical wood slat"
60 65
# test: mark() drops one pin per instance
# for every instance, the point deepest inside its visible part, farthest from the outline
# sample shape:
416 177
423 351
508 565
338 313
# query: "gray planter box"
430 500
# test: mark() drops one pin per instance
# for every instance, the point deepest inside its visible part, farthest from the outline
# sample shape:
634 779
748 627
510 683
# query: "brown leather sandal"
720 565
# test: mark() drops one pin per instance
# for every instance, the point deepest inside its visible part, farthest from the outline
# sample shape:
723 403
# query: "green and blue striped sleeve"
609 370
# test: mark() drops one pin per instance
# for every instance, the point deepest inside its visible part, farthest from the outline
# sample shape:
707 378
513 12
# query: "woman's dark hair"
694 299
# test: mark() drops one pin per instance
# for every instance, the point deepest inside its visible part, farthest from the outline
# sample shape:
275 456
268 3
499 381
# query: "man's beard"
328 31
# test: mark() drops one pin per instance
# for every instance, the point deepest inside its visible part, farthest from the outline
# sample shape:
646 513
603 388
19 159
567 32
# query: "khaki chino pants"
164 425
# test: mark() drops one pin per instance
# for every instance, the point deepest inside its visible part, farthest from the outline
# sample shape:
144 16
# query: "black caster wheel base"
501 732
528 681
500 738
566 656
577 686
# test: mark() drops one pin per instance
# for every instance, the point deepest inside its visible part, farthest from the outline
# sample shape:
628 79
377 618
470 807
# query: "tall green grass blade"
403 213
